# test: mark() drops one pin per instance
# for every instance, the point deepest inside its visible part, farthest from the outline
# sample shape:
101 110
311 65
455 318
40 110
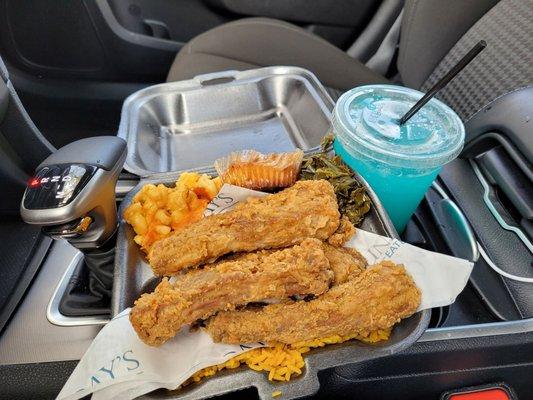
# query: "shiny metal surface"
188 124
52 311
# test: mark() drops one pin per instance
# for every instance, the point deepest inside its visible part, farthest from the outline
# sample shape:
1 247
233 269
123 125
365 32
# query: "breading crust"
253 277
306 210
376 299
346 263
343 233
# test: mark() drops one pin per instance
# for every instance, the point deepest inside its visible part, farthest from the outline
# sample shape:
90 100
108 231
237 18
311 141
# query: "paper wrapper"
251 169
118 365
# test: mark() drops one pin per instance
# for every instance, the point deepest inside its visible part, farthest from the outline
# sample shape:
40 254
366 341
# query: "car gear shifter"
72 196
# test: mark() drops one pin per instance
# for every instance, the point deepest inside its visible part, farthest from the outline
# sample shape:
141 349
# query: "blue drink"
398 162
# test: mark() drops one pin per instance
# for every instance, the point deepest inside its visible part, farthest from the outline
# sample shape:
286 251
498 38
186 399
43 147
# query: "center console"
72 197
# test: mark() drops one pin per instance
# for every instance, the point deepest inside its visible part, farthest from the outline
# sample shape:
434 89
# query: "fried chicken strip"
265 275
344 232
346 263
307 209
376 299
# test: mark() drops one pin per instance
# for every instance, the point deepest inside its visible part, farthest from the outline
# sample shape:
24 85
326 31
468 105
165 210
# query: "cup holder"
73 261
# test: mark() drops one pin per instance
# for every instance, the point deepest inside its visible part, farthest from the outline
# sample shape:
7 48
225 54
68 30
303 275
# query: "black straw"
444 80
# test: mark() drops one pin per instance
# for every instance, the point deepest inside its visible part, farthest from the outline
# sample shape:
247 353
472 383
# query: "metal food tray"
185 126
133 276
189 124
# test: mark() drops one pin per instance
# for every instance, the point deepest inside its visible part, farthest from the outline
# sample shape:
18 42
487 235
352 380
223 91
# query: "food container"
133 276
189 124
306 108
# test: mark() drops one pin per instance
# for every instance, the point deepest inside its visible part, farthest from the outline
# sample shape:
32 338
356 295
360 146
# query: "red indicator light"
34 182
485 394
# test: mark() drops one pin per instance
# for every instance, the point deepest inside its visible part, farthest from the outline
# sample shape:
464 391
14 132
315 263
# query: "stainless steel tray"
188 124
133 276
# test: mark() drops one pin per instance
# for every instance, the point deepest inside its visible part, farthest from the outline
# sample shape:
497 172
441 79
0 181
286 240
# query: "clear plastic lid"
365 120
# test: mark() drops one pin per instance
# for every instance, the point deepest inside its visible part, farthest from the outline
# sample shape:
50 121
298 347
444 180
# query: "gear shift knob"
72 194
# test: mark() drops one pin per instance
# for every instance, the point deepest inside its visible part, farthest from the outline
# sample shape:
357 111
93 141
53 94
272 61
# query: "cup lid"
366 120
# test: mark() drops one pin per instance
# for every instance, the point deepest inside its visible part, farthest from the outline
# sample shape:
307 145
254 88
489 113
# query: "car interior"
67 68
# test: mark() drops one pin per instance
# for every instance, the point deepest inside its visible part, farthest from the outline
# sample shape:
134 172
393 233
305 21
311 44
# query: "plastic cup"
398 162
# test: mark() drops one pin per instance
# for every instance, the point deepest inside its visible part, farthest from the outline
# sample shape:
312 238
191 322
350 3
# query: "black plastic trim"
132 37
510 115
39 253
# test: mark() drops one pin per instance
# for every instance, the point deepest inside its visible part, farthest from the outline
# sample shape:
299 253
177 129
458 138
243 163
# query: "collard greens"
351 196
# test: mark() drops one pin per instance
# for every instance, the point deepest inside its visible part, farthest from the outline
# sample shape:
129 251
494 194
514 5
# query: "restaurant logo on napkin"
120 364
228 197
382 249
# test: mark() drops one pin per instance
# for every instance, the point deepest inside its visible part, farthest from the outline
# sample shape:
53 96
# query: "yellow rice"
282 361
